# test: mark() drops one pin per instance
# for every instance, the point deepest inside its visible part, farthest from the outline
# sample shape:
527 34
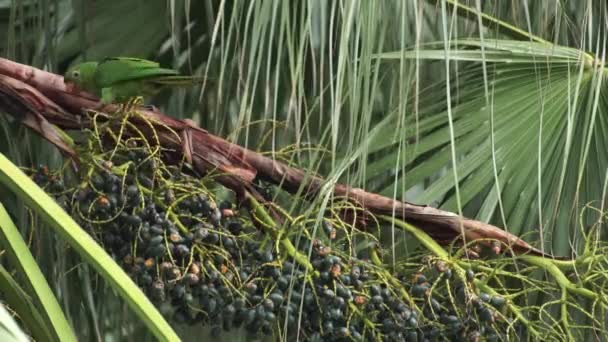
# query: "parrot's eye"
76 74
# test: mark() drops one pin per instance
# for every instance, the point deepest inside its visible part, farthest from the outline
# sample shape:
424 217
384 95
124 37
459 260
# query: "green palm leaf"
535 141
9 330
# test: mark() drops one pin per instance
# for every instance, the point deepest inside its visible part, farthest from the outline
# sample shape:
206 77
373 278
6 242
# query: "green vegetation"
494 111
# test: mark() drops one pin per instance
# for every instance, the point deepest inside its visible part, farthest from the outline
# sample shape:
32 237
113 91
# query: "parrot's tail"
176 81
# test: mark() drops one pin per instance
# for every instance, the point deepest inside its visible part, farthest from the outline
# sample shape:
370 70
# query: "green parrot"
123 79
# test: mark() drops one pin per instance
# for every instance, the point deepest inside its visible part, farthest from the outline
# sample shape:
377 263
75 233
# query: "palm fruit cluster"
202 260
452 307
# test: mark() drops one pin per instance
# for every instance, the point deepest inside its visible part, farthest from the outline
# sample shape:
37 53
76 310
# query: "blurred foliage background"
497 113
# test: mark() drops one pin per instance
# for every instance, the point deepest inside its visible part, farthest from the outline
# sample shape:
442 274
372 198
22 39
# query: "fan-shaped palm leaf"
527 156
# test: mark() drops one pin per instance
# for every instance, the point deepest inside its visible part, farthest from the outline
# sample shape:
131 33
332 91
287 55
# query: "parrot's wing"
114 70
132 60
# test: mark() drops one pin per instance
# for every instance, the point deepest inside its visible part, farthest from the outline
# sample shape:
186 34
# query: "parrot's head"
82 76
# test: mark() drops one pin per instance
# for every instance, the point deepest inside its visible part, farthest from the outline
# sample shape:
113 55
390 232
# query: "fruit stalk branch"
440 252
561 279
270 226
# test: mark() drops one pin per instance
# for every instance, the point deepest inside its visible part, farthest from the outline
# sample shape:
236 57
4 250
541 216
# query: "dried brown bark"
38 98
